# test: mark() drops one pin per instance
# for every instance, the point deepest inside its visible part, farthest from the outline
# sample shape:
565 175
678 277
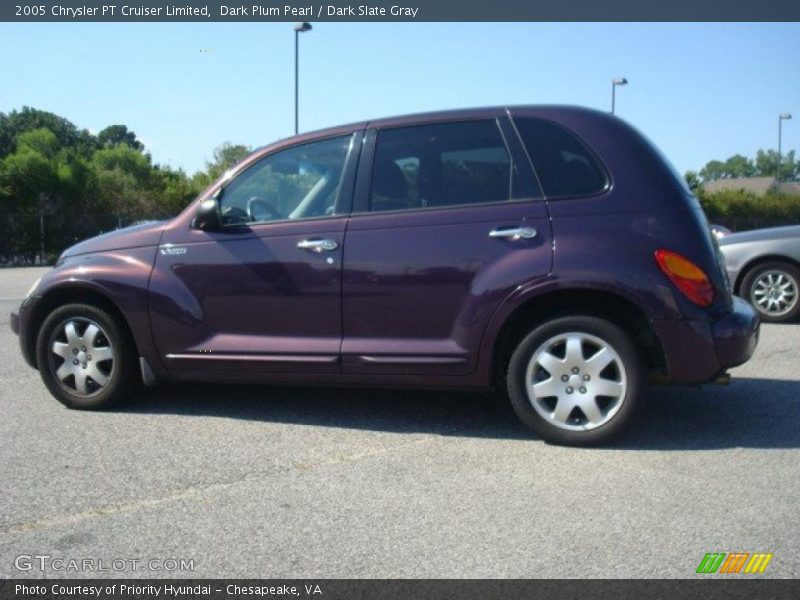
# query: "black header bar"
398 10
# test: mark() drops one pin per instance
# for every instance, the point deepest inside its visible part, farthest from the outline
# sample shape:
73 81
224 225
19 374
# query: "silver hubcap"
774 293
576 381
81 356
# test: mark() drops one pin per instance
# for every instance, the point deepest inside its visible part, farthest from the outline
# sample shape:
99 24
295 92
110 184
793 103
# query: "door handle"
318 246
514 233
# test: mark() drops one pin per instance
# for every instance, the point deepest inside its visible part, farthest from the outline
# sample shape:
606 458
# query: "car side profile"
549 252
764 268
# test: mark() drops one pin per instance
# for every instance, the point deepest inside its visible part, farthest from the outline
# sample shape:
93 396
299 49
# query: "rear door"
448 220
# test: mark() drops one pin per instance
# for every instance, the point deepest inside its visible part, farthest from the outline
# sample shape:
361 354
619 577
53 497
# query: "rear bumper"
736 335
697 351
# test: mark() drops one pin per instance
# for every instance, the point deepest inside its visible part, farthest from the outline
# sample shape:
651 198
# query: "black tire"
120 372
746 289
626 404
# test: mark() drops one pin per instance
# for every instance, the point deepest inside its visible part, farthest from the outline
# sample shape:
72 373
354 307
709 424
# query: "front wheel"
576 380
84 357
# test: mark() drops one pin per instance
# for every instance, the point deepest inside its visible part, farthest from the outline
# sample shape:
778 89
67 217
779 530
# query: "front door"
263 293
448 221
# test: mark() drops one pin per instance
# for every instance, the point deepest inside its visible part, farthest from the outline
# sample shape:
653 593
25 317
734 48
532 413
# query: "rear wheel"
772 288
576 380
84 357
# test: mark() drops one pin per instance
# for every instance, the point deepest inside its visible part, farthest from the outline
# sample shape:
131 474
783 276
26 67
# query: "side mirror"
208 216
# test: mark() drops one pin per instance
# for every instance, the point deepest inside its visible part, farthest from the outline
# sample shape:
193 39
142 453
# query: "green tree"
225 156
178 191
735 166
713 170
40 179
114 135
739 166
767 164
40 169
84 184
125 182
764 165
29 119
692 180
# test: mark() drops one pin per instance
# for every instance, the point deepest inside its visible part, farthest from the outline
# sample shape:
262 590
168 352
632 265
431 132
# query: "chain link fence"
38 239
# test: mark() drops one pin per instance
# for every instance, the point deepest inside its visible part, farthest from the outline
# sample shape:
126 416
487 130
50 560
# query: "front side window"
564 165
301 182
440 165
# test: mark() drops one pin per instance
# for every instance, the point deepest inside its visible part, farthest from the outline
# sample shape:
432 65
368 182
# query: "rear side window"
440 165
565 166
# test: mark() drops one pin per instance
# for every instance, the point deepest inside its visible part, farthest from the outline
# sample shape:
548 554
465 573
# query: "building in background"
756 185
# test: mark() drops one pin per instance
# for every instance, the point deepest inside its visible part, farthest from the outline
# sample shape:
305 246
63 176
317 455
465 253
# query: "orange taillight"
687 277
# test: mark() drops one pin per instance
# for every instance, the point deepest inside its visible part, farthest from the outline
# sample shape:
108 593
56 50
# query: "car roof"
759 235
460 114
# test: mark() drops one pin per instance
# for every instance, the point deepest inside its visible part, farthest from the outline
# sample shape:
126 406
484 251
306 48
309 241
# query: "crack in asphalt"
197 492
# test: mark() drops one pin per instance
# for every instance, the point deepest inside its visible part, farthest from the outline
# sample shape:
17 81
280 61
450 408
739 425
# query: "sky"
700 91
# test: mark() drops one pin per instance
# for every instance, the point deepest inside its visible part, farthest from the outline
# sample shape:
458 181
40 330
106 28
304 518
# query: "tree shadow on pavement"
750 413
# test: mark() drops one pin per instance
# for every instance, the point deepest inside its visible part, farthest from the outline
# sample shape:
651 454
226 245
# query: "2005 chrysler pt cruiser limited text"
550 252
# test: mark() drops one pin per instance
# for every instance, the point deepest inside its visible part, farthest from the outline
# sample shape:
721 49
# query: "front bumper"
697 351
20 324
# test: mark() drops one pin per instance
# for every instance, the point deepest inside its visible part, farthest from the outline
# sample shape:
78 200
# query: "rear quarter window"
564 165
447 164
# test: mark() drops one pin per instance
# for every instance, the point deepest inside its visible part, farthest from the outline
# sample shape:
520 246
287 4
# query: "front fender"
118 277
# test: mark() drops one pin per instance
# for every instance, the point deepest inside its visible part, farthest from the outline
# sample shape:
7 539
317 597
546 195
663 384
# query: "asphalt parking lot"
282 482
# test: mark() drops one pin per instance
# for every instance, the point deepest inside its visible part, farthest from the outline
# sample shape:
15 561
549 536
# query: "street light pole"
781 118
614 84
298 29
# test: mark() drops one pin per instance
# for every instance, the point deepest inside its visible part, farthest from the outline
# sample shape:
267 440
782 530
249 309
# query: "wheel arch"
566 302
77 292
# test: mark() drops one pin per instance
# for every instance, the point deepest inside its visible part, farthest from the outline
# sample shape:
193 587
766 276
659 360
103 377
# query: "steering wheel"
258 207
233 215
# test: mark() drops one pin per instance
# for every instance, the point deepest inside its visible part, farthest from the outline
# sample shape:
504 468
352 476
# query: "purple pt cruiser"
549 252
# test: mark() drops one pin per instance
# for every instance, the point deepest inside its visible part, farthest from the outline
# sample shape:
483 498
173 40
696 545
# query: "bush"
740 209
